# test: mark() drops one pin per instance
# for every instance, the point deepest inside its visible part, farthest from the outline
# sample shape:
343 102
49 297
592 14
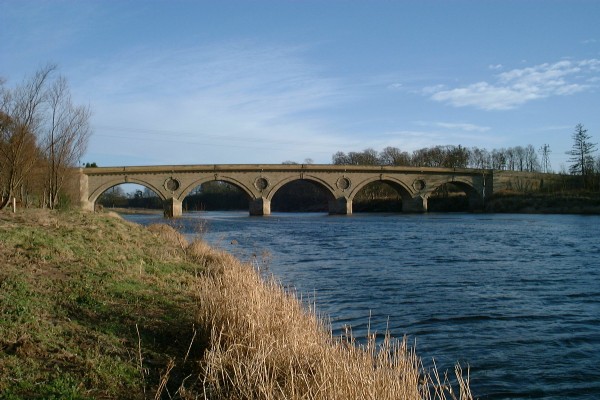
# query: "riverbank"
133 210
544 203
95 307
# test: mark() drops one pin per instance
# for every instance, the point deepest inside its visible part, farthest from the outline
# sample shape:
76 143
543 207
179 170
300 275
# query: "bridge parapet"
262 181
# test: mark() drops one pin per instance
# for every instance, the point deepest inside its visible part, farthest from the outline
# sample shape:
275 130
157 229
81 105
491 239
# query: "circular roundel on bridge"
261 183
172 184
343 183
419 184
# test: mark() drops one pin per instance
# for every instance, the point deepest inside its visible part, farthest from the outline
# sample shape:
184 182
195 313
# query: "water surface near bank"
517 297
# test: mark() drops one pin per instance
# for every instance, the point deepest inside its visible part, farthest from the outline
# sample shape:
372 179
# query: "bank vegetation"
43 135
95 307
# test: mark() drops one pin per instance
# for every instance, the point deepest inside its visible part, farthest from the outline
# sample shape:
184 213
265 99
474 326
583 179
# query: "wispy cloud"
519 86
440 133
432 90
459 126
216 101
395 86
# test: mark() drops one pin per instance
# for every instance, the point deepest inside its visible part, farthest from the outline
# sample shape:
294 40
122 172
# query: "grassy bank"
75 290
578 202
94 307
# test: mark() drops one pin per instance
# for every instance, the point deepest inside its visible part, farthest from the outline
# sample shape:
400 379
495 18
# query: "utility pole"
545 151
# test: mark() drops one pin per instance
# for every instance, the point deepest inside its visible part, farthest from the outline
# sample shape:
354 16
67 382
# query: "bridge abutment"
260 206
84 202
173 208
417 204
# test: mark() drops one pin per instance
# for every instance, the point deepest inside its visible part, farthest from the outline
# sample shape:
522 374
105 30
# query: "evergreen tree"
581 153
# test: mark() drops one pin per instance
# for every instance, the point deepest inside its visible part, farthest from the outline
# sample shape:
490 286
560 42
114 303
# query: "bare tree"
425 157
499 159
520 155
456 157
366 157
394 156
532 163
340 158
40 130
22 110
480 158
510 159
65 140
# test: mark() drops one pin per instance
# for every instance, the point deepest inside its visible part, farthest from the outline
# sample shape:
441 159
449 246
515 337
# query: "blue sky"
205 82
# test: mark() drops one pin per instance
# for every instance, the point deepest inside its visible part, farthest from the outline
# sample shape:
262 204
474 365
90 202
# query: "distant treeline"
512 158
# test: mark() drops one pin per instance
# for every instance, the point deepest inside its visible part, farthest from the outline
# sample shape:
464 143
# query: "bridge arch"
411 200
325 195
403 190
465 184
314 179
474 197
223 178
120 181
301 193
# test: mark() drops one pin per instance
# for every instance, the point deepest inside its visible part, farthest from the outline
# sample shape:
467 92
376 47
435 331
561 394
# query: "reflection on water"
517 297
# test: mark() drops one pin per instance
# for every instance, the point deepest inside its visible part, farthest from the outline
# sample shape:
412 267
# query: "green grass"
75 290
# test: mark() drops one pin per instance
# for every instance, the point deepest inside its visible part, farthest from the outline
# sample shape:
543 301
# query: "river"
516 297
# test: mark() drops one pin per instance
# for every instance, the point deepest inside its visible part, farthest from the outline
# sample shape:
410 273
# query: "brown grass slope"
95 307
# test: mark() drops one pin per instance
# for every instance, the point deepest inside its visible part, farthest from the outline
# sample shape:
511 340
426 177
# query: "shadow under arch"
402 190
474 199
222 178
215 195
120 181
313 179
306 193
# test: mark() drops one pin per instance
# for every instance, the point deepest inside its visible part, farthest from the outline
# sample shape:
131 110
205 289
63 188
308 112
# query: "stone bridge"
260 182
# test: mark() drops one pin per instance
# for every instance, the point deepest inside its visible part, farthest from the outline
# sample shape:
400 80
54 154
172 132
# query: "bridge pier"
340 206
173 208
260 206
416 204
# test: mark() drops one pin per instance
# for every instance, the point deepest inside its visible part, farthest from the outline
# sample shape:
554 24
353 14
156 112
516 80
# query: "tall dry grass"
265 343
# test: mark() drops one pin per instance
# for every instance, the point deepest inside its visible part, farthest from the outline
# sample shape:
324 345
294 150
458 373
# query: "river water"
516 297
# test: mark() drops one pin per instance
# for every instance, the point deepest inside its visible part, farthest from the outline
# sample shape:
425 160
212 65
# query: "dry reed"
267 344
